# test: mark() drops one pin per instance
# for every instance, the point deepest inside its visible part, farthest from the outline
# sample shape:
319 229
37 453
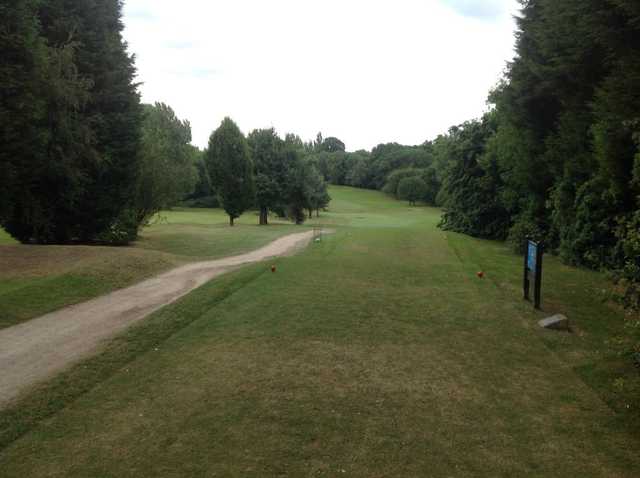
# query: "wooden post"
537 298
525 283
533 270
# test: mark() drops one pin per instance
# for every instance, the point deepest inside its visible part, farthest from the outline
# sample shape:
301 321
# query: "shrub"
412 189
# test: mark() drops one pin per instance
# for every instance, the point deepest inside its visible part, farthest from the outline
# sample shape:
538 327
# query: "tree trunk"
310 213
317 212
264 216
231 221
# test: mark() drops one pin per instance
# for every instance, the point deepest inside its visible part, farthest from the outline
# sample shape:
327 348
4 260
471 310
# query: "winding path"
33 351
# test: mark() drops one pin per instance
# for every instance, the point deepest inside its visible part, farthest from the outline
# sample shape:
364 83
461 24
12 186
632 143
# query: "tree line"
263 171
82 160
558 156
555 158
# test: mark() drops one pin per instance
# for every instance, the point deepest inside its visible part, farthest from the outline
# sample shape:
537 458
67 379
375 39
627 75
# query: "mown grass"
35 280
205 233
5 238
376 352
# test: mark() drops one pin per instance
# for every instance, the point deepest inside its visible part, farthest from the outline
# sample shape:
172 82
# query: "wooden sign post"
533 271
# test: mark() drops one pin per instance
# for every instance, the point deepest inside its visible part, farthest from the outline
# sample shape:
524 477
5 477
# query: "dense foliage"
282 178
471 182
412 189
231 169
168 163
557 158
70 122
271 169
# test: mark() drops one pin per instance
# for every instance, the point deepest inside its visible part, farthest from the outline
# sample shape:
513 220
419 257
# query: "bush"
628 234
412 189
523 228
121 232
394 179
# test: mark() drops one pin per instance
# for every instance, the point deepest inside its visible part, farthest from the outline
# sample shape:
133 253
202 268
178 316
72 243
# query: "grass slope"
205 233
35 280
376 352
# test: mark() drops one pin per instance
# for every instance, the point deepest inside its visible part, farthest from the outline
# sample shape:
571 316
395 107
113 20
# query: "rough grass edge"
45 400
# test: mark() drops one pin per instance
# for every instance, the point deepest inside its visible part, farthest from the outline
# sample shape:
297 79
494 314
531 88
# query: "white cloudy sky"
366 71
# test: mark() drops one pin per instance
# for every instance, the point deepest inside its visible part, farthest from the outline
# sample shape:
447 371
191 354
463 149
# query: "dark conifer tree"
23 72
267 154
81 183
231 169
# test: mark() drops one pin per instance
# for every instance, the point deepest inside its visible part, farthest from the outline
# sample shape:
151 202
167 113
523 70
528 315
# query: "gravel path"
33 351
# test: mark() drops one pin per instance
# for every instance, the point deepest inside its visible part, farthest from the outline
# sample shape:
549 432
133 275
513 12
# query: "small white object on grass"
555 322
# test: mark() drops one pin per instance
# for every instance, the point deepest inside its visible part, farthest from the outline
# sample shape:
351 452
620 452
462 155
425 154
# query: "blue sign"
532 255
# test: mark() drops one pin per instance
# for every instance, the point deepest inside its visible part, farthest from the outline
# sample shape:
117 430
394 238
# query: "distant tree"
317 144
267 153
294 141
359 174
204 194
394 178
231 169
386 158
327 145
298 189
412 189
168 161
332 145
430 178
316 191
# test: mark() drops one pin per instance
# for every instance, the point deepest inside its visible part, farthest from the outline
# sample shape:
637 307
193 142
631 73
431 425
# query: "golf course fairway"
377 351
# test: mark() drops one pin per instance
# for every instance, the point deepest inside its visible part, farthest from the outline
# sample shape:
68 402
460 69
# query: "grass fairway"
376 352
35 280
205 233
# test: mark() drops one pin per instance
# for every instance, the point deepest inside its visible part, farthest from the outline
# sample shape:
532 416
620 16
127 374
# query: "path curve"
33 351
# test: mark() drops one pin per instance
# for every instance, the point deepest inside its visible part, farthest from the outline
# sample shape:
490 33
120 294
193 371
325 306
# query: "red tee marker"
273 268
480 275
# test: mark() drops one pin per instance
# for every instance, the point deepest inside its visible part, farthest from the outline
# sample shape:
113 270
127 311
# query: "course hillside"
375 352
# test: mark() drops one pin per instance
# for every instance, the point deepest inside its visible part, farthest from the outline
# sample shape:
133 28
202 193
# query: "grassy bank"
376 352
35 280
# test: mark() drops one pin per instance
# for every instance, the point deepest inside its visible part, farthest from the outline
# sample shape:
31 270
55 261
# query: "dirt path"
32 351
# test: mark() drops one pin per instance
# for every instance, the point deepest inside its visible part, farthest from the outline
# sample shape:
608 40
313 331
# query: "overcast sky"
366 71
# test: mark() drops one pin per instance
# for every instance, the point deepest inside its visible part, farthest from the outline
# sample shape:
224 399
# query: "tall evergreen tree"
81 181
23 71
113 110
231 169
46 181
267 154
